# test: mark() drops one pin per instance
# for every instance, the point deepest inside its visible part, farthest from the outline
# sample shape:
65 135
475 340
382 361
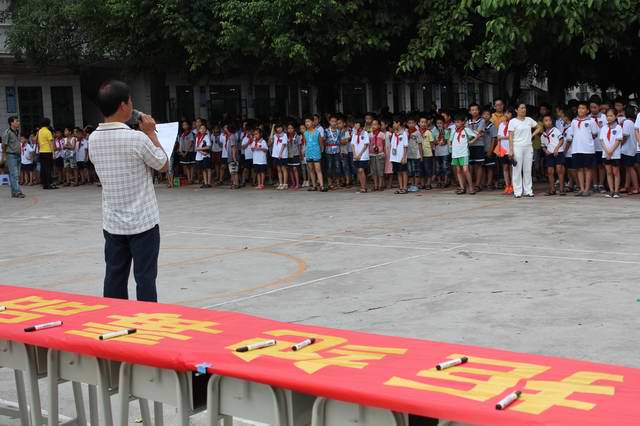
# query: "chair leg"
227 421
53 358
79 400
34 393
94 418
104 396
144 411
213 404
158 413
317 415
123 395
22 397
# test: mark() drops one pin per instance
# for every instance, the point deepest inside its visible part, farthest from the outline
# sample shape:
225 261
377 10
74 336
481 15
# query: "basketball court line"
373 238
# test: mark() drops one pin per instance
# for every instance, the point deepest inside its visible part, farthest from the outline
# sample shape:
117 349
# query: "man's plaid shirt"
124 160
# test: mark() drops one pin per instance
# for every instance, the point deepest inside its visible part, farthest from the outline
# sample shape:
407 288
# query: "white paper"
167 134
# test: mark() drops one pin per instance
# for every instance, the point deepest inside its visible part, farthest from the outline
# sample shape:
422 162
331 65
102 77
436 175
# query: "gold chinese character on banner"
554 394
33 307
503 376
150 328
326 351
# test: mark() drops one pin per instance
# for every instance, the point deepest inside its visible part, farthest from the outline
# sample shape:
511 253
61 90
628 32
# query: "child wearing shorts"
376 155
414 155
280 156
260 149
610 139
293 151
203 155
460 140
360 148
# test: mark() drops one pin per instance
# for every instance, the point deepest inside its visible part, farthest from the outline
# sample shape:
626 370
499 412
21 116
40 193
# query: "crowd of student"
583 147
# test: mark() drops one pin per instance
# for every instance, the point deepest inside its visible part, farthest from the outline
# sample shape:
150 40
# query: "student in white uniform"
610 138
503 151
280 156
553 146
27 167
582 132
628 151
360 148
521 136
82 149
599 173
260 149
399 144
247 163
203 155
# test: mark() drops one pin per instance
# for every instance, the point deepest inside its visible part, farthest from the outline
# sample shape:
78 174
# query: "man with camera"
124 160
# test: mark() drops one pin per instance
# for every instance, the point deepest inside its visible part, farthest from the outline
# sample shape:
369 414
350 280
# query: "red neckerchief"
185 133
199 139
459 133
279 137
411 132
580 120
58 143
547 134
375 135
506 128
226 140
358 133
397 135
609 133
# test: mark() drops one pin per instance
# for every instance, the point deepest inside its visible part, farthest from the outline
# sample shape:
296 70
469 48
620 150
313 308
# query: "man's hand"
147 124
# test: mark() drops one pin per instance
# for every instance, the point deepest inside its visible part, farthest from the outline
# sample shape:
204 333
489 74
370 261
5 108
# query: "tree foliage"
333 38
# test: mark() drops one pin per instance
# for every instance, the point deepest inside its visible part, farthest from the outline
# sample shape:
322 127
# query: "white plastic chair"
329 412
159 385
30 361
228 397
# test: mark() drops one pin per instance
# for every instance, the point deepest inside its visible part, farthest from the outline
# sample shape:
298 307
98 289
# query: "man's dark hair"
585 104
595 99
111 94
12 119
45 122
474 104
630 112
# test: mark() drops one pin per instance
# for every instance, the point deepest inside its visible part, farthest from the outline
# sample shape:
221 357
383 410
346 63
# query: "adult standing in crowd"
521 151
46 148
125 160
11 150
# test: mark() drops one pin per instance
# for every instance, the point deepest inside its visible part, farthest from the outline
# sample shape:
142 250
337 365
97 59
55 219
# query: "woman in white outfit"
521 134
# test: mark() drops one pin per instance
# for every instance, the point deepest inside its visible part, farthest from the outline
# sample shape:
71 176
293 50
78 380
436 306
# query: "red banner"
381 371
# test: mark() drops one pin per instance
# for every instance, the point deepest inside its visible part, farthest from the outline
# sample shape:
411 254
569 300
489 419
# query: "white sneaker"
285 186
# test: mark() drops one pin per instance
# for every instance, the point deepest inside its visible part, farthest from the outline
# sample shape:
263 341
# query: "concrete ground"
550 275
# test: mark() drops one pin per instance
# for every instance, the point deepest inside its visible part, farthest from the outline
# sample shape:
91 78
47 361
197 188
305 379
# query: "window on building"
484 94
280 103
184 102
378 96
398 97
459 95
427 99
11 99
31 111
305 100
472 94
225 101
62 105
354 99
413 104
262 101
294 104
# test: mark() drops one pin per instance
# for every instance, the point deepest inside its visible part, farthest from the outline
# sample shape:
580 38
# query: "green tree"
555 38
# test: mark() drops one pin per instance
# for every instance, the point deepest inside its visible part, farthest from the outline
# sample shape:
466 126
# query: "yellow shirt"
45 140
497 118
